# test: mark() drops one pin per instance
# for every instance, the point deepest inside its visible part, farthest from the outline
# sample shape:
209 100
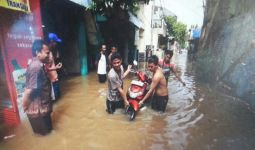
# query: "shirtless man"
158 86
169 67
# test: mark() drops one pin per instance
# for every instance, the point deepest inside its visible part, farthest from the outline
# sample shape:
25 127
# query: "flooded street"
197 117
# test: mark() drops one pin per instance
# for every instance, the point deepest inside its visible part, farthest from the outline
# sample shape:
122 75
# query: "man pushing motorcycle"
116 97
158 86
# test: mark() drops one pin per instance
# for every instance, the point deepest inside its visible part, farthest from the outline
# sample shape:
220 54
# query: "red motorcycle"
136 92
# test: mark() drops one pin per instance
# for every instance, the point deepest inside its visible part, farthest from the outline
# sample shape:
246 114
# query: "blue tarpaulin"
196 33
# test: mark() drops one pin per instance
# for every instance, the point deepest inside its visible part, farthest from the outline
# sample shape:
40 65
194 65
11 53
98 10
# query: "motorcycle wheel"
131 113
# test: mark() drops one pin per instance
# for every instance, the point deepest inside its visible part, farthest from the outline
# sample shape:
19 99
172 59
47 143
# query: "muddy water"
197 117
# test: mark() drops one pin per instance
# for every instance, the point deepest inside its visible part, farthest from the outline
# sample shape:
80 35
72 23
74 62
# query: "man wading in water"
159 85
116 97
169 67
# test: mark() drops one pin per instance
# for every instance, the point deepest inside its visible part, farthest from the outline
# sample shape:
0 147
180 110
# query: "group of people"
116 97
42 84
103 62
41 76
110 67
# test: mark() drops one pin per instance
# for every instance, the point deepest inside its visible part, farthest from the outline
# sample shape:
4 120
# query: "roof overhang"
85 3
137 22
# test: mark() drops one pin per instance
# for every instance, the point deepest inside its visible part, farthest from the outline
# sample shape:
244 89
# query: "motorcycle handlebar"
133 71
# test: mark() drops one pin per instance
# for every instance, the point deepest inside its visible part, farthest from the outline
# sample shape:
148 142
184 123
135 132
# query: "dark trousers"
102 78
159 103
56 89
113 105
41 125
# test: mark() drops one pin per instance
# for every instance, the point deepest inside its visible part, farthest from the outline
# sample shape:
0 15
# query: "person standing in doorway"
116 97
158 86
54 64
37 96
102 64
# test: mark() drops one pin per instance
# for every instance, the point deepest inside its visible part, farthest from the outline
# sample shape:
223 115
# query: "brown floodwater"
197 117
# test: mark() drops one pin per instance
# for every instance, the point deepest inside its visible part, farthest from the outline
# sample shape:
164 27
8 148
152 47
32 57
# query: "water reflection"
197 117
182 105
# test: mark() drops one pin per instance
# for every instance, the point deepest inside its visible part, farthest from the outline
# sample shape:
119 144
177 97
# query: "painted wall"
149 35
144 14
227 49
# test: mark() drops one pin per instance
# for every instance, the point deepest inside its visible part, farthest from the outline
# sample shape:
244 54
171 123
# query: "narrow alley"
197 117
57 51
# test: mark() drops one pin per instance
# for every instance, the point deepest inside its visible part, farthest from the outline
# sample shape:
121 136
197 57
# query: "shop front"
20 25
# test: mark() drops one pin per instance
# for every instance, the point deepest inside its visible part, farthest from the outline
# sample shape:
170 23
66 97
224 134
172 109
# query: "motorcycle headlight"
134 95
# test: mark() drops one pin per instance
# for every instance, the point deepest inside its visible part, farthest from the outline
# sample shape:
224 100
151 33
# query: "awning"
20 5
135 20
85 3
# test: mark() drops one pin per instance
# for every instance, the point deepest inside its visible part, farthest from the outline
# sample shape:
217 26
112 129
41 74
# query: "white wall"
144 15
148 35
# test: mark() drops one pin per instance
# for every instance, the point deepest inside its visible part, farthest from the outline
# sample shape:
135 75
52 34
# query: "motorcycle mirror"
135 62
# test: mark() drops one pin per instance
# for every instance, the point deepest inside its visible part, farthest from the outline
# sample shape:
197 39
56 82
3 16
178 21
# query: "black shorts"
159 103
102 78
41 125
113 105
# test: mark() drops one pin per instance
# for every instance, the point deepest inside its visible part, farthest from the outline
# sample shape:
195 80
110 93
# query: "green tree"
116 12
176 29
109 7
116 29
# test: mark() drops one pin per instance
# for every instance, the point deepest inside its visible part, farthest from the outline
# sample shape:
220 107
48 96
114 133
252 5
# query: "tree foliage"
117 28
176 29
108 7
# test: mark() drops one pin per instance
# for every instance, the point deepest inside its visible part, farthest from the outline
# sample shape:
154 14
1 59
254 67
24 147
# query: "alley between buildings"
197 117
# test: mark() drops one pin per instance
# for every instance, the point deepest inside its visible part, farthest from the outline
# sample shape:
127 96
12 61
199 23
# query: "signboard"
157 17
141 57
18 31
20 5
157 23
149 47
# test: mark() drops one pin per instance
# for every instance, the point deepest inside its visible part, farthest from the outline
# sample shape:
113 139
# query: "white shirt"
102 65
